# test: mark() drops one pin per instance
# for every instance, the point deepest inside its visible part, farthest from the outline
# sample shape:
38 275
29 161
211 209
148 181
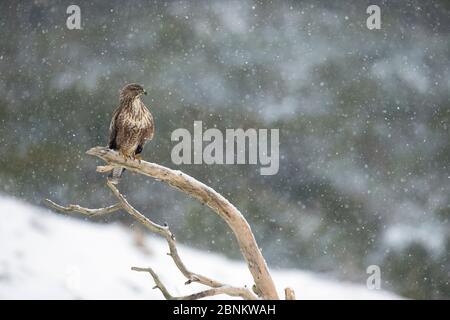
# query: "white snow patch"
44 255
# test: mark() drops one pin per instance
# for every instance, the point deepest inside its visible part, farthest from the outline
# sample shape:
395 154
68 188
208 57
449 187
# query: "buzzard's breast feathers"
131 126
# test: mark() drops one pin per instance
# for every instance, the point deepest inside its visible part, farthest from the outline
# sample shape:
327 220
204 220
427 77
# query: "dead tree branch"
235 220
289 294
264 284
85 211
167 234
217 287
224 289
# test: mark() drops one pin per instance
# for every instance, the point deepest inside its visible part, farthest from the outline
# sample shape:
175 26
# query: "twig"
167 234
228 290
85 211
289 293
104 169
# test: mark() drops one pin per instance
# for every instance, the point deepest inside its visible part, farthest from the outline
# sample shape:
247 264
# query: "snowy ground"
44 255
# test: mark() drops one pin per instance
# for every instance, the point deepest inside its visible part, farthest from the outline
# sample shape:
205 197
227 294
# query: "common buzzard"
131 126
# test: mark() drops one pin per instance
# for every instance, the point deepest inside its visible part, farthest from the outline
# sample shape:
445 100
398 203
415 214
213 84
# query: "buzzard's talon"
138 157
126 157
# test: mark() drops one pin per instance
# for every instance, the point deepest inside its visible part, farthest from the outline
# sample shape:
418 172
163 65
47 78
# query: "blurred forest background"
363 116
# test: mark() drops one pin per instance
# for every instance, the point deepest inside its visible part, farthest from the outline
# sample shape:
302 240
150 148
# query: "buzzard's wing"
149 129
147 132
113 131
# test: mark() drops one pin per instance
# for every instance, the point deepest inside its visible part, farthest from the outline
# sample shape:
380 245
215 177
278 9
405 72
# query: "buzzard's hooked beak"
145 92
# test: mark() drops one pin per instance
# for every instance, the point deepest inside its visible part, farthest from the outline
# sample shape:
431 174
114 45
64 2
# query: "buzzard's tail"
115 175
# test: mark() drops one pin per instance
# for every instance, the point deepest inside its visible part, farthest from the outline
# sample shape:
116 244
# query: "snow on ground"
45 255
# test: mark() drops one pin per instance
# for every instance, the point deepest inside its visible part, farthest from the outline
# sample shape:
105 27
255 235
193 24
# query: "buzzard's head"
132 91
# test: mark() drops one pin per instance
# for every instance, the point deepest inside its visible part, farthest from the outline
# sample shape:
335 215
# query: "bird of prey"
131 126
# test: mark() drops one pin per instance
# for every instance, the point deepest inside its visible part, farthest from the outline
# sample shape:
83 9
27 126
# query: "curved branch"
167 234
235 220
231 291
86 211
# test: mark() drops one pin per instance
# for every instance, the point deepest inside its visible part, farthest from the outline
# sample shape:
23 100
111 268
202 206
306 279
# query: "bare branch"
150 225
104 169
167 234
211 198
289 293
263 287
154 227
228 290
85 211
